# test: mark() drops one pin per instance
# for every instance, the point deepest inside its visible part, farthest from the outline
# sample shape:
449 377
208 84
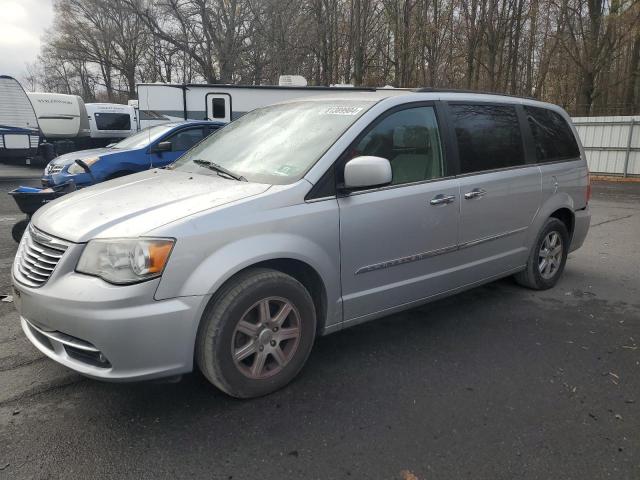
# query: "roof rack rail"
456 90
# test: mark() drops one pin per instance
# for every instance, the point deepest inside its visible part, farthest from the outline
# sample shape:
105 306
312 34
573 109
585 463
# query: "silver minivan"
298 220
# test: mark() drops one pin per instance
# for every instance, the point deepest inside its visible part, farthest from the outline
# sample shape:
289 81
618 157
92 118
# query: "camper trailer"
19 130
111 121
60 116
148 118
225 103
63 121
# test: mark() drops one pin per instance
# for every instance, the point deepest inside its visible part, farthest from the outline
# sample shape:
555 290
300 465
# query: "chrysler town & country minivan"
298 220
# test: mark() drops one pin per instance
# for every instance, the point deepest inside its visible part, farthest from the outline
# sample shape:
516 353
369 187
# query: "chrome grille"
37 257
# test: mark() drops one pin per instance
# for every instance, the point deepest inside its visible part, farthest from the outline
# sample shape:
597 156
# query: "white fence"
612 144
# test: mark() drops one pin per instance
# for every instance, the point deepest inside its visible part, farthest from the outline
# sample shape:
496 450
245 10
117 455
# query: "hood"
69 158
133 205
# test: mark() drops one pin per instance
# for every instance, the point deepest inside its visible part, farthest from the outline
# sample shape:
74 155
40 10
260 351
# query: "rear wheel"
256 334
547 257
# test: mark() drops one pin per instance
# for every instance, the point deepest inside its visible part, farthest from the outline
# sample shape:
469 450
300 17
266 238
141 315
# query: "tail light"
588 187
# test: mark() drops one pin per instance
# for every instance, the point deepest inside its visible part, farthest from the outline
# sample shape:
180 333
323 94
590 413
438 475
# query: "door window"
488 137
185 139
552 135
218 107
410 140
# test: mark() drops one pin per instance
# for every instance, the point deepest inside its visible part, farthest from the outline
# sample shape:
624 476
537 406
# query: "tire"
18 229
535 277
265 360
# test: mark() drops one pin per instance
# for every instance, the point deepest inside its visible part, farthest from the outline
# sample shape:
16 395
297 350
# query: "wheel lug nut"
273 343
261 348
275 329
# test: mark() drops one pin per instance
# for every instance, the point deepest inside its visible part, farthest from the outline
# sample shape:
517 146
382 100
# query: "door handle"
475 193
441 199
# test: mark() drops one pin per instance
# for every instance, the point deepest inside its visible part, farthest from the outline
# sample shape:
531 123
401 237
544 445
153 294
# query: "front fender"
119 162
213 246
232 258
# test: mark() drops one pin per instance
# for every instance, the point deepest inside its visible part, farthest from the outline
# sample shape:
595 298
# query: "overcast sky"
22 24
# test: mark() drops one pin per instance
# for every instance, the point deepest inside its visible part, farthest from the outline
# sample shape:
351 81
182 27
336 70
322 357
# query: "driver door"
398 242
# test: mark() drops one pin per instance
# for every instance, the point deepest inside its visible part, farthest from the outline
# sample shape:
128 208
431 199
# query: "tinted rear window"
553 137
113 121
488 137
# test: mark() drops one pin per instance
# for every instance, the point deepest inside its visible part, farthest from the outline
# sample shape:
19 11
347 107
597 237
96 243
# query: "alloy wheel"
266 338
550 255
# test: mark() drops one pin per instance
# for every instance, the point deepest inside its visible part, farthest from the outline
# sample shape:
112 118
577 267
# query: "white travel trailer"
111 120
223 103
19 130
147 118
60 116
63 121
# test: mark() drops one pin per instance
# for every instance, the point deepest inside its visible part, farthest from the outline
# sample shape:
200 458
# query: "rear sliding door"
499 193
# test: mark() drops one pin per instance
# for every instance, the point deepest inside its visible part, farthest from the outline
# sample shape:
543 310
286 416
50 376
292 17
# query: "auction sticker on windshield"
343 110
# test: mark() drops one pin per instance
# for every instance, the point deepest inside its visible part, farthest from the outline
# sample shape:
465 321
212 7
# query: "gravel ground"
498 383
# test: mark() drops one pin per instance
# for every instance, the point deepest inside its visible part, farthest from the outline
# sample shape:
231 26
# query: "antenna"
148 130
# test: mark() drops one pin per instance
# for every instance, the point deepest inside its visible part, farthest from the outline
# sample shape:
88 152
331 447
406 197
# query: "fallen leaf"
407 475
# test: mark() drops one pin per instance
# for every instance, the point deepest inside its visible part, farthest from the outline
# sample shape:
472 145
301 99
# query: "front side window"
143 137
185 139
552 135
277 144
488 137
410 140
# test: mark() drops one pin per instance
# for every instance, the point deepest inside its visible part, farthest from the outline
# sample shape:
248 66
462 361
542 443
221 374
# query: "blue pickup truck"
152 147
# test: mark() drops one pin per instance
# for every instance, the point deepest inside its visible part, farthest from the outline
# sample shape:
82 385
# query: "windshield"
144 137
275 144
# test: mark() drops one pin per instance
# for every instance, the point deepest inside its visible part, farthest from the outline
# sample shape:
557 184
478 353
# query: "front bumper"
108 332
80 179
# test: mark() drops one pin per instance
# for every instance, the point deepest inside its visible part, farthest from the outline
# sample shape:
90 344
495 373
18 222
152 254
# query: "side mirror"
367 171
162 147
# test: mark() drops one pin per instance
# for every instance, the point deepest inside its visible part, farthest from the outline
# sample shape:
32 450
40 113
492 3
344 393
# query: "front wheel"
256 334
547 258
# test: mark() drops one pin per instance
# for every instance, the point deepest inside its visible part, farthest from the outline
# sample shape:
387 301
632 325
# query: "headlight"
124 261
75 169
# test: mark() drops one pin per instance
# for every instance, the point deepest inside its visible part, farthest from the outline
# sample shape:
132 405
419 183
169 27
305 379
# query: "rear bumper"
108 332
582 219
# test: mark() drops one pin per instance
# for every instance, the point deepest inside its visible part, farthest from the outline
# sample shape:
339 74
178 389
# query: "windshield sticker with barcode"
343 110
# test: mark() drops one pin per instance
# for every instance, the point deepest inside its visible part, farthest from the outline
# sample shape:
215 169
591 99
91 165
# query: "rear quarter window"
554 139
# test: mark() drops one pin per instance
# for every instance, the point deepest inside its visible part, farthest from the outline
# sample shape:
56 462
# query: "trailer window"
219 108
113 121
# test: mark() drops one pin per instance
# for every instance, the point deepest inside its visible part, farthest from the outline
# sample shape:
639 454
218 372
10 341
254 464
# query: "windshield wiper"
219 169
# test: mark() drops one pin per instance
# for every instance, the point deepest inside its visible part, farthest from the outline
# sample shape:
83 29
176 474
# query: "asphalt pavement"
499 382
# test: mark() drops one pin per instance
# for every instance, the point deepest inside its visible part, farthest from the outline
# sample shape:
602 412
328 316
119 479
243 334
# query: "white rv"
111 120
60 116
19 130
223 103
147 118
